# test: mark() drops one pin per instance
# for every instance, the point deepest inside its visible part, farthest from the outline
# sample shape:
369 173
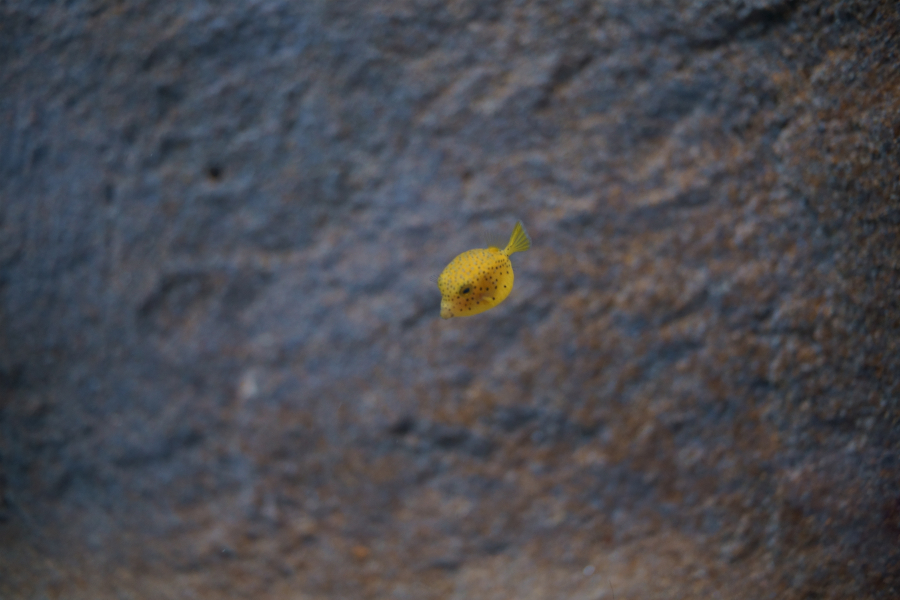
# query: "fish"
479 279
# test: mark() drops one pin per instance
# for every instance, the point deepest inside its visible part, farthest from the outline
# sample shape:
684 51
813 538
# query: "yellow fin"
518 241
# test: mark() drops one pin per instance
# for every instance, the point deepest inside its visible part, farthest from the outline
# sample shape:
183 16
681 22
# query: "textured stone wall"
222 371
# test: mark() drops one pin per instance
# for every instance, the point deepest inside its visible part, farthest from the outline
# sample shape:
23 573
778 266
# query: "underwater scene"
450 300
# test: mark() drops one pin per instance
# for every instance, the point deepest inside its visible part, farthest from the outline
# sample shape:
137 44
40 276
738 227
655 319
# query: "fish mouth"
445 311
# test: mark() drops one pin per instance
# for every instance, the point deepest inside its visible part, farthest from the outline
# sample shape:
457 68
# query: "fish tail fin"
518 241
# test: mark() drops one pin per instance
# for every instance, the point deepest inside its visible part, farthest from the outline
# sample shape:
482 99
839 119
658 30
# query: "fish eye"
466 290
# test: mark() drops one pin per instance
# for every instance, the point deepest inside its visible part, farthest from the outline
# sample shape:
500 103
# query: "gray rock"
222 371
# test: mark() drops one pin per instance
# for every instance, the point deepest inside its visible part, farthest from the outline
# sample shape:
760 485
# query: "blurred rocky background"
222 371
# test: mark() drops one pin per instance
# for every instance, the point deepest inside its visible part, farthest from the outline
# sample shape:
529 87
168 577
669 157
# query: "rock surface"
222 373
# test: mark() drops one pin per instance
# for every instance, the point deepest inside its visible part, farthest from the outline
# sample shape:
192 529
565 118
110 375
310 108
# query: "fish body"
480 279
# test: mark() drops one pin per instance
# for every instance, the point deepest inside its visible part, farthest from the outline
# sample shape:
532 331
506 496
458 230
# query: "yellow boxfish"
480 279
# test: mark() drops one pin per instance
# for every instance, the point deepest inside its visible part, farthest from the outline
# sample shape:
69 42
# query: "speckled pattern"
475 281
223 374
480 279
